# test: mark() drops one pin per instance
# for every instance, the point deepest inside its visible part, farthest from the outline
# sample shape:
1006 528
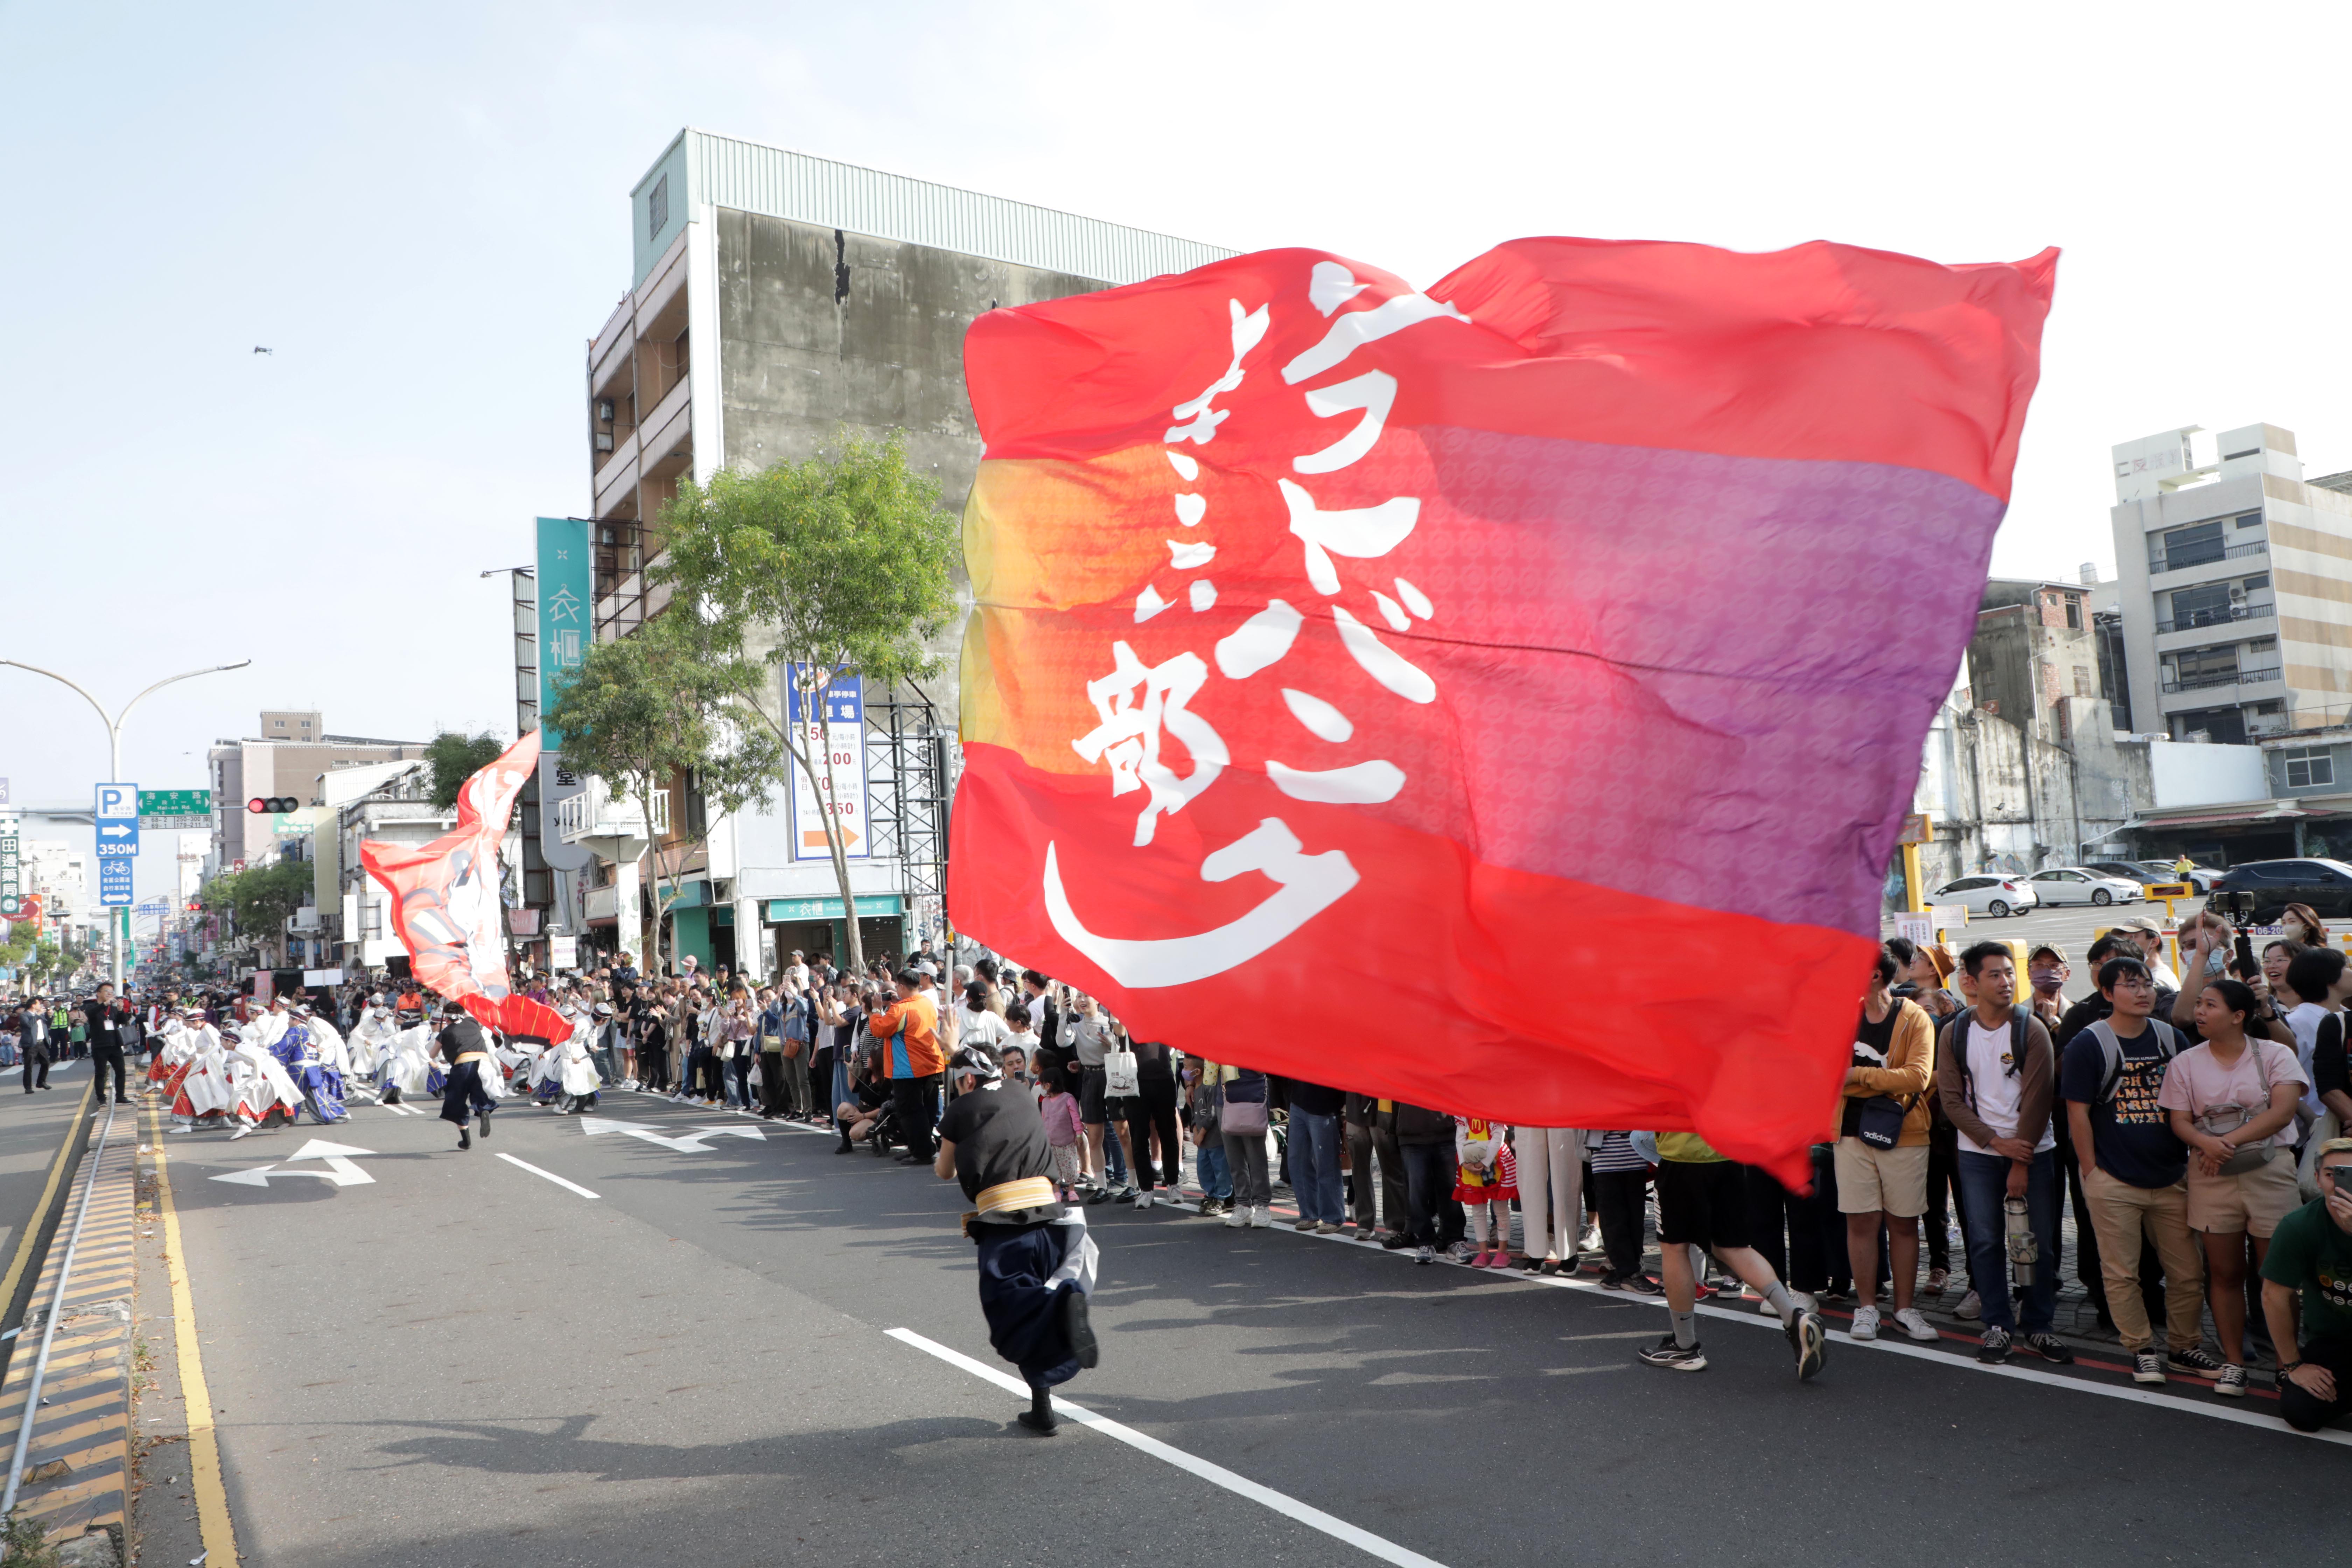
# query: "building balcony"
2202 555
2222 617
2194 568
611 826
2218 679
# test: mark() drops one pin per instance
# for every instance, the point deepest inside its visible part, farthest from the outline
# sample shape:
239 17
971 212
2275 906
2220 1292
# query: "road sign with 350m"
118 821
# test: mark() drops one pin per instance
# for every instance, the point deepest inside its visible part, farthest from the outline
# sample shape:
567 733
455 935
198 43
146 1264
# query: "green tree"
16 949
259 897
663 703
457 758
841 568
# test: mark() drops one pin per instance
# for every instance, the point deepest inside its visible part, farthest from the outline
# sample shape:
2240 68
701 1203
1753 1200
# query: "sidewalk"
77 1469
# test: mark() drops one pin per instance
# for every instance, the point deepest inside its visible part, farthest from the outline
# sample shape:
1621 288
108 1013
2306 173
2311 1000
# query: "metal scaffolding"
910 780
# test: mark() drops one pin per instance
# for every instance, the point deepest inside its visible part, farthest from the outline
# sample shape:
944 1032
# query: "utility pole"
117 922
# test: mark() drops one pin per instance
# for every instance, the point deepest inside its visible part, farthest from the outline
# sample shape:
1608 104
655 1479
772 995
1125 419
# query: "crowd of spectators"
2194 1121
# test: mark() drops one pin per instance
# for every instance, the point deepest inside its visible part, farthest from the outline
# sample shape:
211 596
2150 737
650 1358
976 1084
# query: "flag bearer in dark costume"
1036 1260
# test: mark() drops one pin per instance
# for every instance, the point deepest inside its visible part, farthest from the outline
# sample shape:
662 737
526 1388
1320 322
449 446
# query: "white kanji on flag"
1136 703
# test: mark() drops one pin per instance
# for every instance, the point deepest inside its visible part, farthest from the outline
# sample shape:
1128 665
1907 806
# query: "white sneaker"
1237 1218
1261 1217
1970 1307
1424 1255
1915 1323
1143 1200
1865 1323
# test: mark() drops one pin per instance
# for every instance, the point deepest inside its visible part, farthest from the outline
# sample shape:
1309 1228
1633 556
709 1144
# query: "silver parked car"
1988 894
2084 885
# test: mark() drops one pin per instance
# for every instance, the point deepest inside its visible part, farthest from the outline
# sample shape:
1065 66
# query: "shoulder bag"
2220 1120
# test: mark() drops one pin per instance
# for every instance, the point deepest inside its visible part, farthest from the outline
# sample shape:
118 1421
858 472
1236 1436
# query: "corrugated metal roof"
725 171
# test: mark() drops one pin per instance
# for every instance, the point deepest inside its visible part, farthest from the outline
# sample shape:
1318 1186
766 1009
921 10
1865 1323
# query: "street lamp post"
114 760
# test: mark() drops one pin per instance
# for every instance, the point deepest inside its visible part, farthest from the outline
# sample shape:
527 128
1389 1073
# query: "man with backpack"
1994 1075
2134 1169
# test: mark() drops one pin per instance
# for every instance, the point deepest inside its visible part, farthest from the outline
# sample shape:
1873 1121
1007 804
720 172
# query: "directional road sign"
114 882
694 1142
118 820
175 810
12 878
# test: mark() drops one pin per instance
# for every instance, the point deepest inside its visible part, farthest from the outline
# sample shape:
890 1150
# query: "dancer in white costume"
565 1076
406 1068
264 1093
200 1091
370 1043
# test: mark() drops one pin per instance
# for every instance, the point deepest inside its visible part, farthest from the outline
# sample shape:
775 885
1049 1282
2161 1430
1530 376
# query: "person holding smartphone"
2308 1298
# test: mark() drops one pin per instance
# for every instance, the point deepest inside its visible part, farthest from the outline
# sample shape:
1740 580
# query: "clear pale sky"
424 212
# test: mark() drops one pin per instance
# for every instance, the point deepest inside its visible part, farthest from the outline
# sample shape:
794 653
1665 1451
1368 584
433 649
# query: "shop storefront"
817 925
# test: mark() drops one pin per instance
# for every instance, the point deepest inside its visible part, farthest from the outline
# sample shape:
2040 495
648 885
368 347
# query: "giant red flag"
445 903
1502 698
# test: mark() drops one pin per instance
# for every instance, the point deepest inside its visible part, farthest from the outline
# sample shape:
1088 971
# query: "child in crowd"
1060 1108
1021 1034
1487 1184
1620 1188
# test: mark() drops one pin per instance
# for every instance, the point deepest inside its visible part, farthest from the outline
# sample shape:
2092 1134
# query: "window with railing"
2197 545
2192 620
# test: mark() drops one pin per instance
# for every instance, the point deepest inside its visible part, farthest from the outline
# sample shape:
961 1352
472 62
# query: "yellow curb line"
204 1442
32 1232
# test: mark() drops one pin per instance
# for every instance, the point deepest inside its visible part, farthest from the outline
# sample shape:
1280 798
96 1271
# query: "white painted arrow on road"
338 1158
692 1142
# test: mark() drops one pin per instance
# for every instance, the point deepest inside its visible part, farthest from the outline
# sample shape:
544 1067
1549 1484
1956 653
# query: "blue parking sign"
118 821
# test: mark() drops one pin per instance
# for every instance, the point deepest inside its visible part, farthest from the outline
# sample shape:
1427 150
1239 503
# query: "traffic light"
261 804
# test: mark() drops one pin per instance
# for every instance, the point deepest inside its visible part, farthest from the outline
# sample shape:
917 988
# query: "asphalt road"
2074 927
459 1362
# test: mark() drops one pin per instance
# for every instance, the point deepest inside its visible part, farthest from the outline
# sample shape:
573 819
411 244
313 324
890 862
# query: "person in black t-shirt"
1036 1260
466 1049
107 1022
2132 1167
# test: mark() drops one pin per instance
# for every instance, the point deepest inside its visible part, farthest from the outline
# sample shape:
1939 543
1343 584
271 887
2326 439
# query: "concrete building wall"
2005 799
2034 648
822 331
2185 775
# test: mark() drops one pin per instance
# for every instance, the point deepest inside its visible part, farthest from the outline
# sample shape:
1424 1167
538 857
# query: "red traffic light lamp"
263 805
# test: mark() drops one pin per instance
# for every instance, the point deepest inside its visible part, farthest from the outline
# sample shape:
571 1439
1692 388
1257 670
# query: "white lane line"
551 1176
1290 1507
2137 1395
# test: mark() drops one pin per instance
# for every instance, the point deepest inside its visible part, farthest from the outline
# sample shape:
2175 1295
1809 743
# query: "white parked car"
1987 894
2083 885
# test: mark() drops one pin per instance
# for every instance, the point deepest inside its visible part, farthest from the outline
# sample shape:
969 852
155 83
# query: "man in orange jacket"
909 1032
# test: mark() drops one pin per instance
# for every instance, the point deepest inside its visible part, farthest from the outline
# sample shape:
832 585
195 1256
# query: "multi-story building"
775 298
2034 648
283 761
58 872
2234 585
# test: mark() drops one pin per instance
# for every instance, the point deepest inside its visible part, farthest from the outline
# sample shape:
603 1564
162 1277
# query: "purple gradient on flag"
1752 651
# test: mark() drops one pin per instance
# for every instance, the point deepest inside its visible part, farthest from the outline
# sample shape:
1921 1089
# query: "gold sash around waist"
1029 1193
